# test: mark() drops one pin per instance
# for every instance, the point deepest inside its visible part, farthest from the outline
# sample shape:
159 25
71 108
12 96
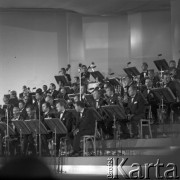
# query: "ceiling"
87 7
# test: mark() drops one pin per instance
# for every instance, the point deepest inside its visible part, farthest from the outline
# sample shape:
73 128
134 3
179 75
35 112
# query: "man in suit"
67 76
38 103
144 73
22 109
85 125
53 92
113 100
85 75
68 120
63 94
136 107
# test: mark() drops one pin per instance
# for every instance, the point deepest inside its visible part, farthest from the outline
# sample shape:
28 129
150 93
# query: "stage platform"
165 146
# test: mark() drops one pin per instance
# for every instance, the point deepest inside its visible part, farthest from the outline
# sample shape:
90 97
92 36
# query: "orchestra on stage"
108 107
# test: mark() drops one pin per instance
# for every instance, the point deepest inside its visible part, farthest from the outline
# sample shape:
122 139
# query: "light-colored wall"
35 45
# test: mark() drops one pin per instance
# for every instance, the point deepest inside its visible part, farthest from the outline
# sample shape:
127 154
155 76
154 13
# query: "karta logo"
118 169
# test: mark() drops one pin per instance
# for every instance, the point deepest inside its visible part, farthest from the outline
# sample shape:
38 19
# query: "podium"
62 79
132 71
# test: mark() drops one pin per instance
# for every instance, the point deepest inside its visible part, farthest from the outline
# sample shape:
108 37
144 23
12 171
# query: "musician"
63 94
38 103
68 120
7 108
24 89
76 80
17 114
13 99
22 109
85 126
53 92
154 79
67 76
27 101
29 140
98 100
150 98
45 90
47 111
49 99
75 88
144 73
85 75
112 99
136 107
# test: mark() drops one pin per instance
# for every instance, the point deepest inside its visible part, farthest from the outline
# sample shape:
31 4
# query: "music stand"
161 65
131 71
62 79
164 94
22 130
113 82
97 74
34 126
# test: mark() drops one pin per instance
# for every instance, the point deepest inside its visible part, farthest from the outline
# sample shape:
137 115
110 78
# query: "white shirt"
61 114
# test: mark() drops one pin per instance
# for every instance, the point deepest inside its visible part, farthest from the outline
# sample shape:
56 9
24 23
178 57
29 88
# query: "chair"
92 138
145 123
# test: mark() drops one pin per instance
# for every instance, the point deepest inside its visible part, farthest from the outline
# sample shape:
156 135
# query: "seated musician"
14 145
67 76
27 101
49 99
112 99
63 94
7 108
47 114
24 89
38 103
85 75
68 120
136 107
45 90
76 80
52 90
13 99
85 126
155 79
144 73
83 93
22 109
150 98
75 88
29 143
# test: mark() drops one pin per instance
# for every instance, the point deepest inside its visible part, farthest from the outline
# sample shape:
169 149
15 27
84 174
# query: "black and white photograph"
89 89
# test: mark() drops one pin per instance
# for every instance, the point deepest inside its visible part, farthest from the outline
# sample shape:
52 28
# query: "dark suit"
86 126
137 109
54 94
142 77
69 121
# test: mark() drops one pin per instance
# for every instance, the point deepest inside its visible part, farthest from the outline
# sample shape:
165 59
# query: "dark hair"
39 91
172 61
30 107
53 85
45 85
62 102
145 64
84 66
80 103
47 105
21 101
